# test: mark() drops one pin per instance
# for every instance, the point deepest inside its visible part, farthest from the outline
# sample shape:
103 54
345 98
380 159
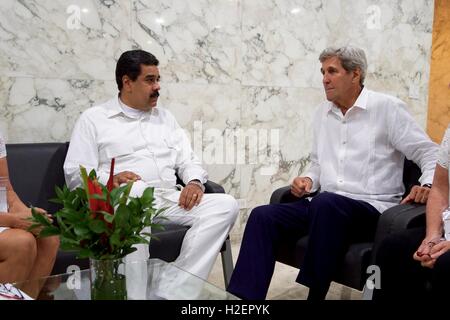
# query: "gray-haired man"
361 138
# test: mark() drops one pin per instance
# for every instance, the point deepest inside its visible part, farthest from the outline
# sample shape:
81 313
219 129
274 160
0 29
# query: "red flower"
94 187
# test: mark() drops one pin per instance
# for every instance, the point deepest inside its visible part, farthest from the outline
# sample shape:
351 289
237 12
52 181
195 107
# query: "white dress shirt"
150 144
444 155
2 147
361 155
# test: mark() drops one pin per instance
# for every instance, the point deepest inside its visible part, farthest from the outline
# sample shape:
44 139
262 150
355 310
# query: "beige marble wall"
439 92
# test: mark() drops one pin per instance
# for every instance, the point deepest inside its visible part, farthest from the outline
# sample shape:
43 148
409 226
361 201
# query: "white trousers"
210 222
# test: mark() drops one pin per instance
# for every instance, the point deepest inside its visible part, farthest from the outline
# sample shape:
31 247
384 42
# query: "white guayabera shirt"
3 193
361 155
444 154
443 161
2 147
150 144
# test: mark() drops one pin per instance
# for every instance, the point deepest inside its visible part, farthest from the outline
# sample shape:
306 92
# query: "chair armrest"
398 218
212 187
284 195
279 194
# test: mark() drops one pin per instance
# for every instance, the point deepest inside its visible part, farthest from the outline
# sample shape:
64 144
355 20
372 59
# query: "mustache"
154 95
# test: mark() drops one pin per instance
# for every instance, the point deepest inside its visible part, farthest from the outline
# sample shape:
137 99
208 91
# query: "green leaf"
81 230
108 217
55 200
68 246
49 231
114 239
97 226
39 218
151 236
59 193
93 174
126 193
70 214
156 226
69 240
85 253
147 196
98 196
122 216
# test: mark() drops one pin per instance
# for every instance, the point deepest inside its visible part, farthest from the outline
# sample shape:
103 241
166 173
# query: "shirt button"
344 142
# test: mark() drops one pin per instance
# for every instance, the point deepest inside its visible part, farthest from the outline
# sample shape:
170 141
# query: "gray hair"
351 59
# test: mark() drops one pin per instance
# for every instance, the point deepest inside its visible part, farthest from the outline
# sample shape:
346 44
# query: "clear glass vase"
108 280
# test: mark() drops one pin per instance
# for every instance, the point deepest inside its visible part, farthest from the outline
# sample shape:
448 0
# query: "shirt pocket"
118 150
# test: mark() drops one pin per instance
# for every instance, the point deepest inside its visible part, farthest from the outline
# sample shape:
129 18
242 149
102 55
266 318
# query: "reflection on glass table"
151 279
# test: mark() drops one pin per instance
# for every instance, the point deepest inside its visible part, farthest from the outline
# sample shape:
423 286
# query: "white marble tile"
288 111
282 39
68 39
197 40
207 113
45 110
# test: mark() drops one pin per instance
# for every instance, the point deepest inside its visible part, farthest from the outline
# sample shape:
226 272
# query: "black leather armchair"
36 168
353 271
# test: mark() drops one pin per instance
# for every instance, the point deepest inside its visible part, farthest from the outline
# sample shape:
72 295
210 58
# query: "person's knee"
49 245
325 199
261 214
25 245
230 207
325 204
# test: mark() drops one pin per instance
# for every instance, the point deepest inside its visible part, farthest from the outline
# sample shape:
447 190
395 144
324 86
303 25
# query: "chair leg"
227 262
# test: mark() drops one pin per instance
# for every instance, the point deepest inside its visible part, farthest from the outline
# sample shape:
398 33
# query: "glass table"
151 279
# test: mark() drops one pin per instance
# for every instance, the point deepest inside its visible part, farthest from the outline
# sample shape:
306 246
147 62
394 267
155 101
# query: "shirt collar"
117 107
361 102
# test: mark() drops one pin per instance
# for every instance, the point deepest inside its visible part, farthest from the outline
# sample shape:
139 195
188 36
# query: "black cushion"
35 169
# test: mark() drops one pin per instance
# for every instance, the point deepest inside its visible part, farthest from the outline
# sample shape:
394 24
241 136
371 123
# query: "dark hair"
130 62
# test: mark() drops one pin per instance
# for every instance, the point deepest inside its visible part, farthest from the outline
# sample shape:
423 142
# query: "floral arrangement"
100 222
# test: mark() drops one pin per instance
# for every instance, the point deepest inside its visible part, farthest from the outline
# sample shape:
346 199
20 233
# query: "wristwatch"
198 183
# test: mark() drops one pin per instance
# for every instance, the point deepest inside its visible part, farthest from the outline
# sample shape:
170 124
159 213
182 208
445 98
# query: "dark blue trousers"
332 222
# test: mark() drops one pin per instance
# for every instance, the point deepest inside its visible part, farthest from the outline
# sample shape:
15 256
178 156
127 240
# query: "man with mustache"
360 140
150 148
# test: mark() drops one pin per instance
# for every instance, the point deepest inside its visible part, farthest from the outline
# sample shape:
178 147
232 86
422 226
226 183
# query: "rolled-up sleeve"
413 142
